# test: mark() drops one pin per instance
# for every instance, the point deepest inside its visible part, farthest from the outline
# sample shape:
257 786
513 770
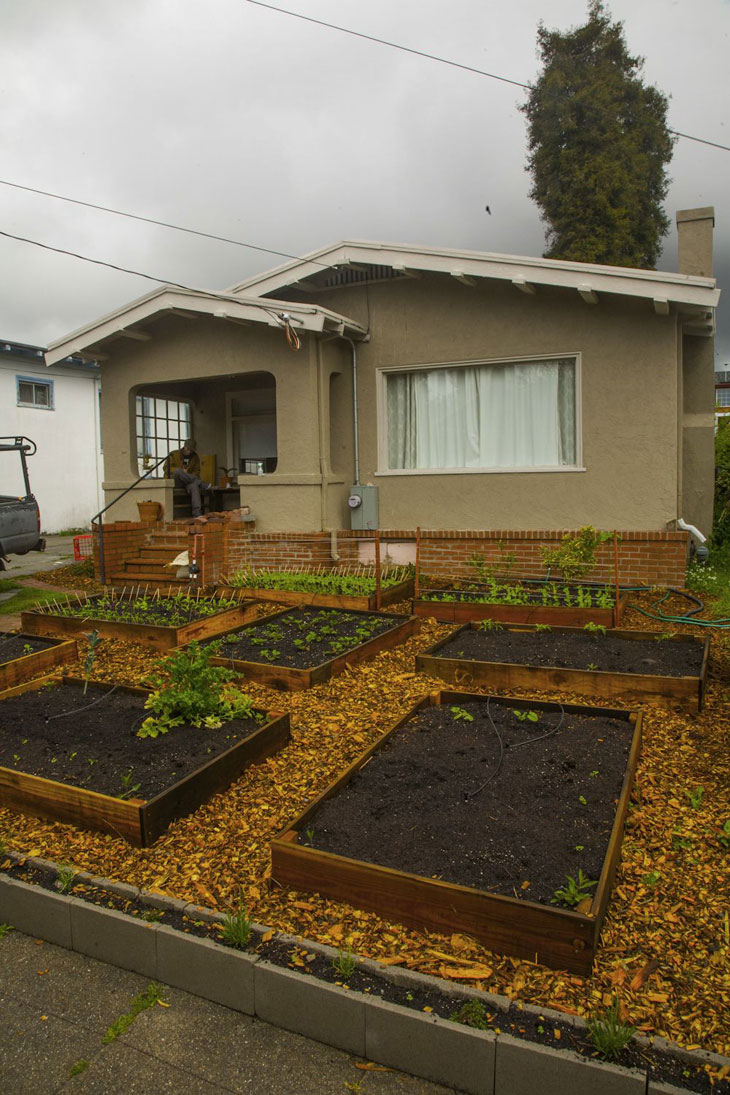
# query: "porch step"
163 553
155 578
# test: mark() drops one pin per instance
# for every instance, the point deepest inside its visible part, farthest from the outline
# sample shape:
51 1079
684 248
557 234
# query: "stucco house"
463 390
58 407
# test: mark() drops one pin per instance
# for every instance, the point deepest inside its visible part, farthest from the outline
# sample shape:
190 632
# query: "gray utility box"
363 505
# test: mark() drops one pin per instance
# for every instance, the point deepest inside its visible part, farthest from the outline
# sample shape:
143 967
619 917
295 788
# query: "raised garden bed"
553 602
443 825
76 758
664 670
157 621
328 590
25 656
300 647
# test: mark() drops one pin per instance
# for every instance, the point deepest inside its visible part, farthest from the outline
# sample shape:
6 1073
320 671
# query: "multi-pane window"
497 415
722 397
34 393
162 426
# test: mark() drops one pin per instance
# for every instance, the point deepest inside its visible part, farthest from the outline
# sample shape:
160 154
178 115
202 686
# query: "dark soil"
305 637
530 1025
90 741
430 803
577 650
17 646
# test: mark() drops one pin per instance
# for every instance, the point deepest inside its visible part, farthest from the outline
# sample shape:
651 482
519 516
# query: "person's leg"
191 484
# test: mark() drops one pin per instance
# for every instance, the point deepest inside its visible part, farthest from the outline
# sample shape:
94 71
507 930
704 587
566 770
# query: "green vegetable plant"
490 625
190 690
460 713
344 964
525 716
472 1013
65 878
574 891
609 1034
592 666
236 928
542 627
128 788
27 648
594 628
575 556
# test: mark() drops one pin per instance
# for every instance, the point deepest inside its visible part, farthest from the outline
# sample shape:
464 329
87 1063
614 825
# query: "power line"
113 266
441 60
152 220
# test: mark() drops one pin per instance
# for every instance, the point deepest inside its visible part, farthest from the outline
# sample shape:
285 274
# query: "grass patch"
76 1069
143 1002
25 598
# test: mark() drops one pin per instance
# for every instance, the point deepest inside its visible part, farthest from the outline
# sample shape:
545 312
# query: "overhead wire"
437 58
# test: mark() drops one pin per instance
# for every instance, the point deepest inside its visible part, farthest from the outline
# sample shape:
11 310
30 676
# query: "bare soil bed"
436 802
18 646
90 741
578 650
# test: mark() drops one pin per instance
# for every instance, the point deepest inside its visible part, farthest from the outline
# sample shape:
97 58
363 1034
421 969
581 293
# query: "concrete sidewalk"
59 552
58 1004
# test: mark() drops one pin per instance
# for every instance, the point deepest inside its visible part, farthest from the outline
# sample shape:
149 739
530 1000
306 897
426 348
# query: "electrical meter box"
363 506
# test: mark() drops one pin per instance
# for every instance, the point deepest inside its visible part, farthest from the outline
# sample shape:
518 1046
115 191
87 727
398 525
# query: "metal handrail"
102 568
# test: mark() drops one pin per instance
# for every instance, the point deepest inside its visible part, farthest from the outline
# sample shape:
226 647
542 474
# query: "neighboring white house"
58 408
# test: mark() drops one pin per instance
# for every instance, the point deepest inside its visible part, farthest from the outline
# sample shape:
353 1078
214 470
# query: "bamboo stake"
377 570
418 560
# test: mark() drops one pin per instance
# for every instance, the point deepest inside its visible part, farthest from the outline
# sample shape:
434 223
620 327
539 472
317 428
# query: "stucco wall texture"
640 467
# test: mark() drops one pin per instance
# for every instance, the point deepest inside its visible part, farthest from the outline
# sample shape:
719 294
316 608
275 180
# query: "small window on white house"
34 393
722 397
487 415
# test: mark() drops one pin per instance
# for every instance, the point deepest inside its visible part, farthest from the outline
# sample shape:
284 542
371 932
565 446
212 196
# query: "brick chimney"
694 231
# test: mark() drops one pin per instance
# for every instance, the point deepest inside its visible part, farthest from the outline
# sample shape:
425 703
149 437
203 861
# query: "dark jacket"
175 461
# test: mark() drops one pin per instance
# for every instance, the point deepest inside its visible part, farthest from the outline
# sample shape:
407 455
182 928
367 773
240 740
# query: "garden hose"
689 617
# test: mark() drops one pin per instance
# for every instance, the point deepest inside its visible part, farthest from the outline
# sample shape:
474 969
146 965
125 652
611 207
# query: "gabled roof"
326 269
128 321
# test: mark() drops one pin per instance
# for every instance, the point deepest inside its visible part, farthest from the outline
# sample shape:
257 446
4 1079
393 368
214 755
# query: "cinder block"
309 1007
430 1047
113 937
221 974
36 911
523 1068
664 1089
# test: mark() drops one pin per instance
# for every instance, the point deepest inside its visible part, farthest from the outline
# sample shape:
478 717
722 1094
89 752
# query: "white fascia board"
617 280
222 306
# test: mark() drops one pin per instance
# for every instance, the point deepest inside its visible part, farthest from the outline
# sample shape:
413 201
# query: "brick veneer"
226 543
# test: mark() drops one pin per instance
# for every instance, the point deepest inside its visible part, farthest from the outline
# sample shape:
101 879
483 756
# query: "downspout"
355 426
700 541
323 463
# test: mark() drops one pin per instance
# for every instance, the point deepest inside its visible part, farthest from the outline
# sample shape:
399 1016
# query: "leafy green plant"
344 964
574 891
724 837
542 627
308 836
594 628
152 916
193 691
27 648
575 556
128 788
65 878
582 800
490 625
652 878
78 1067
592 666
525 716
5 929
460 713
695 797
353 585
236 928
472 1013
609 1034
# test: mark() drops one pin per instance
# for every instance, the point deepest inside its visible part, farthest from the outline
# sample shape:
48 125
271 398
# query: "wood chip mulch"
666 941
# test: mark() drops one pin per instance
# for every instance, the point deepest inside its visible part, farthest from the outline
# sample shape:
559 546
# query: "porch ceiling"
129 322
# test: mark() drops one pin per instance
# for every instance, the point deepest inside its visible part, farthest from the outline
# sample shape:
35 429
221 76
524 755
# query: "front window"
162 425
487 415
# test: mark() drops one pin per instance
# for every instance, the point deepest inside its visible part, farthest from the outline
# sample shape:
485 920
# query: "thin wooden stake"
616 582
377 570
418 561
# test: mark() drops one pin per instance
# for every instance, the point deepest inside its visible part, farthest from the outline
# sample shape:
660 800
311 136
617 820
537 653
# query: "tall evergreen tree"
599 146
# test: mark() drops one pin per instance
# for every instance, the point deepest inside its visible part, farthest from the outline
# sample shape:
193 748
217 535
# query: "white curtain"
482 416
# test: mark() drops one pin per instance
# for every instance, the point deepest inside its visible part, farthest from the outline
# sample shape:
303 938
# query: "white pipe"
334 554
692 530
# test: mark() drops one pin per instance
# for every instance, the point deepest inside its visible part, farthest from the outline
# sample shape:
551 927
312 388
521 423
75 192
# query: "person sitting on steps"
183 465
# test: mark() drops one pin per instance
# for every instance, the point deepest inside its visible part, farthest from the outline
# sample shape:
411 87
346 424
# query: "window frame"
382 373
155 437
36 381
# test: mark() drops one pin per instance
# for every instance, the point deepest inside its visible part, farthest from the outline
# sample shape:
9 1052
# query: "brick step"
161 554
148 575
119 581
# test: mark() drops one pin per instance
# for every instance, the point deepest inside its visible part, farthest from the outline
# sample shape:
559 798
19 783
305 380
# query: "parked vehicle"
20 518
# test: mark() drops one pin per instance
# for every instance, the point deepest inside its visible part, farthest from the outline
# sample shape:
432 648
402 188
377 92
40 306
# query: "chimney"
694 231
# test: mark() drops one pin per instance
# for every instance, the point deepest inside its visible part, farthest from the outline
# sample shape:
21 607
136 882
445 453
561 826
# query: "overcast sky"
249 124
